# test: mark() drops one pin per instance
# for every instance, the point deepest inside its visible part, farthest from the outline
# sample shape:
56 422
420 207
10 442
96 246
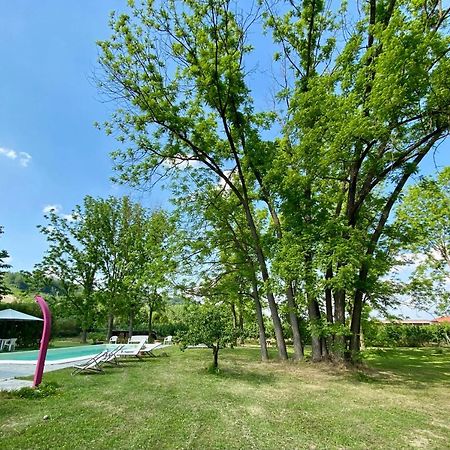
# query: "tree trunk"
314 317
281 344
260 320
110 326
216 356
84 335
339 347
149 323
329 339
293 318
355 338
329 296
241 326
130 325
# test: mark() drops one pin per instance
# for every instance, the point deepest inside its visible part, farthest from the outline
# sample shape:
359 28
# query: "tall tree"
73 259
356 119
119 232
155 262
424 216
180 70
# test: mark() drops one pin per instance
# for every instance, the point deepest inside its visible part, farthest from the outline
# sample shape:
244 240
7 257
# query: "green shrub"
403 335
42 391
66 327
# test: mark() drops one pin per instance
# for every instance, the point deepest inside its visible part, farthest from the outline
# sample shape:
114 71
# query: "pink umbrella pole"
44 341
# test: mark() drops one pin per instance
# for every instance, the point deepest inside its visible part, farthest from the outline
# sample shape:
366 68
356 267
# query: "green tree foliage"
73 259
195 108
359 108
3 265
360 118
109 257
402 335
424 216
156 261
209 324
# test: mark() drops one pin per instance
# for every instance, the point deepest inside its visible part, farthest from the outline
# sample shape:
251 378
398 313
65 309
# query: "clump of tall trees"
363 95
111 257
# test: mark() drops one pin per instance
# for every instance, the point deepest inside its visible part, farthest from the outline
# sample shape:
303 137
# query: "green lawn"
402 401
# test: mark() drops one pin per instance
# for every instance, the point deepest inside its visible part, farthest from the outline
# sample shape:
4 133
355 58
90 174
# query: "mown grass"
401 401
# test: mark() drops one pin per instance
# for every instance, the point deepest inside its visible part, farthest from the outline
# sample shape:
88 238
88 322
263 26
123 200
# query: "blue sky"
50 152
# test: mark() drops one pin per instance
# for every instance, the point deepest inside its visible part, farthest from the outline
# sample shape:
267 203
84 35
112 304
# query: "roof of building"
442 319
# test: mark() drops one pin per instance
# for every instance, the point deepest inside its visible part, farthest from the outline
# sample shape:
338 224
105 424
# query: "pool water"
54 355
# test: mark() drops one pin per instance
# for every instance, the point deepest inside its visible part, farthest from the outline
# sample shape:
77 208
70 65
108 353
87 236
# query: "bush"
66 327
168 329
42 391
402 335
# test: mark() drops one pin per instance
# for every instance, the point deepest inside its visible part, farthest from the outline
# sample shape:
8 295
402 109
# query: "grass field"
401 401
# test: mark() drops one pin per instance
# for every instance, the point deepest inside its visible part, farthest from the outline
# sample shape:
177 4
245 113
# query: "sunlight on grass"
174 402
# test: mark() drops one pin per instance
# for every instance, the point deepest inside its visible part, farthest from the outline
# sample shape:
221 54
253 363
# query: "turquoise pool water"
54 354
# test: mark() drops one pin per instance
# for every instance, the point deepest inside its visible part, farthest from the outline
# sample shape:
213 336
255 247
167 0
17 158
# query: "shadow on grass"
417 367
247 376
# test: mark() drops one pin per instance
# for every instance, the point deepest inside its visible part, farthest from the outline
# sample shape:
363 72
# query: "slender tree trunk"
260 320
281 344
339 348
130 325
329 340
314 317
84 335
295 325
241 325
110 326
150 320
329 296
216 356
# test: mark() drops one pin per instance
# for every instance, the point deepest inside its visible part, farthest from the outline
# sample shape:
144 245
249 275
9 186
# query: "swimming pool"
54 355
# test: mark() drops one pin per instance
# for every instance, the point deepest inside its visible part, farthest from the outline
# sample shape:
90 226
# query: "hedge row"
401 335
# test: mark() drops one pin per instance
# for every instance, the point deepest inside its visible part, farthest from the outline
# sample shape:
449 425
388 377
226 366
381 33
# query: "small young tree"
208 324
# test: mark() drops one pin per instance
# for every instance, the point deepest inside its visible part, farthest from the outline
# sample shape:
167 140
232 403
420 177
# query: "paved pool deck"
10 372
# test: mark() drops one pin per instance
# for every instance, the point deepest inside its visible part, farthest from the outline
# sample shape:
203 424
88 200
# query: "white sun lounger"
148 348
91 365
132 350
137 339
95 363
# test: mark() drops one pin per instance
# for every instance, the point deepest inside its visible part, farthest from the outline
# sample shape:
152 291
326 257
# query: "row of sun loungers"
136 347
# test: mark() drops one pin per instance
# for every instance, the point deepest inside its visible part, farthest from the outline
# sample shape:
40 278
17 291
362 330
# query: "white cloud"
22 157
48 208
